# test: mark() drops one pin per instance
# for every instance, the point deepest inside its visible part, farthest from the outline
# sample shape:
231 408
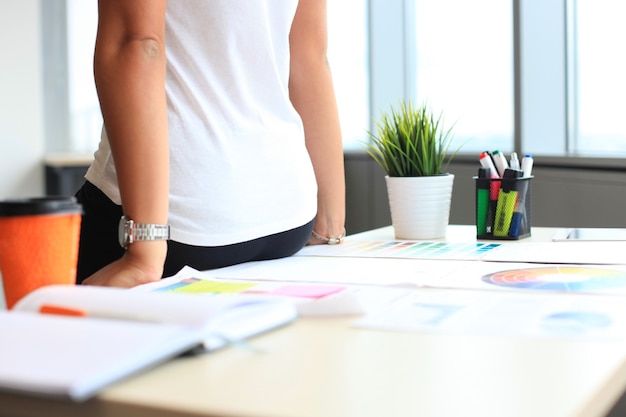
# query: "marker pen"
500 162
494 184
514 164
507 198
519 223
527 165
486 162
62 311
483 217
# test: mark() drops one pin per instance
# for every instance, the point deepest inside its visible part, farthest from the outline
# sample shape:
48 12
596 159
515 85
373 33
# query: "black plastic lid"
39 205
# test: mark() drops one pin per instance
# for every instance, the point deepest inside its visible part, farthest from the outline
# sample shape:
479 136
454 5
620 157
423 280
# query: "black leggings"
99 245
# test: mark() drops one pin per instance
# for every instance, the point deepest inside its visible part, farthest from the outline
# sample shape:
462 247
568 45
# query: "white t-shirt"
239 168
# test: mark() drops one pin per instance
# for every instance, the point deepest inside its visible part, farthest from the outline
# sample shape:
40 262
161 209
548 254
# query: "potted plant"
412 146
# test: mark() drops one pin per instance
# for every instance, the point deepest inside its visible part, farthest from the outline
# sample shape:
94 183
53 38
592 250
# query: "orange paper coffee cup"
39 240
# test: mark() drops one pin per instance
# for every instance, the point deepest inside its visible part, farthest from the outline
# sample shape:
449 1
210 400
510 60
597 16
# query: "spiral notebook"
98 335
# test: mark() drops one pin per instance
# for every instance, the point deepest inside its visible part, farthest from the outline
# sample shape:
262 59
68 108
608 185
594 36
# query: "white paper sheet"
309 298
343 270
579 252
504 315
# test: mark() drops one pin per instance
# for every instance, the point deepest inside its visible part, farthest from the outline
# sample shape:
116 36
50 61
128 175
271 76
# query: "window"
532 76
598 73
72 113
464 68
347 55
84 109
455 55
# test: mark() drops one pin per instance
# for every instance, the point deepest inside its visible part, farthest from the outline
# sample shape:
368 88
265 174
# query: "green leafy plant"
411 142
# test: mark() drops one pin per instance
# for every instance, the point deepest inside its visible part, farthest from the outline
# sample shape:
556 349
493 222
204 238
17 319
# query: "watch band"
130 231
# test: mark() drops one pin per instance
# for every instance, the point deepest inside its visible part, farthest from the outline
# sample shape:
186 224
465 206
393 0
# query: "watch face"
129 232
123 232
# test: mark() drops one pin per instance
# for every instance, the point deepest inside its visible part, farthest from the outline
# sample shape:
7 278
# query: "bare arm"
129 69
312 94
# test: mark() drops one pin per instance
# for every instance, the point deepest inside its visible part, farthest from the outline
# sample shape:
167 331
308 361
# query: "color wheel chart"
566 278
405 249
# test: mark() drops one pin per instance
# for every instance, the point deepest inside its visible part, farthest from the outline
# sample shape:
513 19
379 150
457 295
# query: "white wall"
21 100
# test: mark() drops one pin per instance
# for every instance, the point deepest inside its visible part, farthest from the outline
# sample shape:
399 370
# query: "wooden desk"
325 368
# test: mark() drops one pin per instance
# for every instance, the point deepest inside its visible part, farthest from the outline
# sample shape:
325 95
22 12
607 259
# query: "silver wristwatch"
129 232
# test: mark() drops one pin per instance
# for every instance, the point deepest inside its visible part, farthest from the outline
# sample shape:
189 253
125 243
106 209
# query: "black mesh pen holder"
503 208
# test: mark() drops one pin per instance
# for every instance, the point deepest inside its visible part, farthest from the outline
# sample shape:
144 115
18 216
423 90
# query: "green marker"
483 186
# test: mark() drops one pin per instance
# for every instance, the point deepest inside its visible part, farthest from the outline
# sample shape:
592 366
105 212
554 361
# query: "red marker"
486 162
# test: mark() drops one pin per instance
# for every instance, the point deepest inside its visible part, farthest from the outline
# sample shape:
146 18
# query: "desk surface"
461 233
325 368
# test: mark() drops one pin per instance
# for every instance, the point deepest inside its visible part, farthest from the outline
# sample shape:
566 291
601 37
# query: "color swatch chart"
404 249
214 287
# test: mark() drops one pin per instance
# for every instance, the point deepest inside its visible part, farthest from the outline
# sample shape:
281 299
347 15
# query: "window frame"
544 100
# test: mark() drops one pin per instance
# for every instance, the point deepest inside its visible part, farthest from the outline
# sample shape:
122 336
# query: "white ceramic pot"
420 206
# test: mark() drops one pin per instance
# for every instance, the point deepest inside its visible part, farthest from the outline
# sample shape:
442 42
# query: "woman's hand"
142 263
